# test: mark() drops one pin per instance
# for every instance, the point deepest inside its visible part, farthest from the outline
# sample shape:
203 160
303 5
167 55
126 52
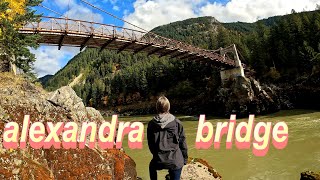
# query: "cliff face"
18 97
244 96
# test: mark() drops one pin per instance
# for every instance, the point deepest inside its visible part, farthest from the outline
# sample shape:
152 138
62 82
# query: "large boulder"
198 169
309 175
66 98
18 97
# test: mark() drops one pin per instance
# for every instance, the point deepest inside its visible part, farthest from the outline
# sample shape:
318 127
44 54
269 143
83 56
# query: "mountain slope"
269 22
196 31
204 32
43 80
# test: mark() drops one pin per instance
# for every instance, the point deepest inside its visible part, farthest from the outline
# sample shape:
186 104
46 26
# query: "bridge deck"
69 32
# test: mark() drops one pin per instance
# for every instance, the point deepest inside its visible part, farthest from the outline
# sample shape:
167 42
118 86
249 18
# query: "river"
302 152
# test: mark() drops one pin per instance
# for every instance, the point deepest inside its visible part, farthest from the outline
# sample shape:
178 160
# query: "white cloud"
251 11
79 11
63 4
151 13
116 8
76 10
49 59
83 13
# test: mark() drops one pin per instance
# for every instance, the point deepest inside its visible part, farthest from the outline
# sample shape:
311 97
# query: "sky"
152 13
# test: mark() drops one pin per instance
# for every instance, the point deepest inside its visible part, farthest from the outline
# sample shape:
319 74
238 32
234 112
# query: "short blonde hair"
163 105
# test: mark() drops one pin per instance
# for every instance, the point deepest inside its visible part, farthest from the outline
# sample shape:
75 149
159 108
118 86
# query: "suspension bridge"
64 31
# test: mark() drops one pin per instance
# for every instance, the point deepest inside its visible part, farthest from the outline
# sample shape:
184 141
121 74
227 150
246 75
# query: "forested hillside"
280 49
281 44
206 32
116 79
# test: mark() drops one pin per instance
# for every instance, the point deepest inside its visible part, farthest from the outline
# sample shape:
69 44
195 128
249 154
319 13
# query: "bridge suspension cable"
241 55
40 5
116 17
68 9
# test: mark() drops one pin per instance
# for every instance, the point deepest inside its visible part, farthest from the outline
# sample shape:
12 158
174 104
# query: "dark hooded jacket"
167 142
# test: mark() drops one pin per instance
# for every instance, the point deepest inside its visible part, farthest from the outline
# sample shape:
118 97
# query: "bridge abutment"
238 70
230 73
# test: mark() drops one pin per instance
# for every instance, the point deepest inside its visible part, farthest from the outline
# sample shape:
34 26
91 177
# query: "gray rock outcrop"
198 171
67 98
243 96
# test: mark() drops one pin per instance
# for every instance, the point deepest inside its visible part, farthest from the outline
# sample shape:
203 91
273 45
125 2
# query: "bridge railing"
78 27
174 44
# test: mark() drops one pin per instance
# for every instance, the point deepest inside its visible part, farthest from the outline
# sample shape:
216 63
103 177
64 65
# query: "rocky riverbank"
19 97
241 96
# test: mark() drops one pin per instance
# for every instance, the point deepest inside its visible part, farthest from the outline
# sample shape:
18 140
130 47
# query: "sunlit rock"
19 97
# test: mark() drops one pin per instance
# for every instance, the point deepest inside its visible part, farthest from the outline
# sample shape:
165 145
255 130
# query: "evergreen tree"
14 46
224 38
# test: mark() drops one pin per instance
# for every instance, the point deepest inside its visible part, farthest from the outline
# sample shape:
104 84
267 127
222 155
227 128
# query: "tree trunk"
13 66
4 64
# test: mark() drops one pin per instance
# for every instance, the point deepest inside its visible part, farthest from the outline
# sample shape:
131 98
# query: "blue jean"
173 173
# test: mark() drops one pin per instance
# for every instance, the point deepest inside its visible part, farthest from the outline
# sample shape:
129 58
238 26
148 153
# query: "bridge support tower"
238 70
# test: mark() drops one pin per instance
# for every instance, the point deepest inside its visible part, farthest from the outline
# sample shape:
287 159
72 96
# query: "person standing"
167 142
